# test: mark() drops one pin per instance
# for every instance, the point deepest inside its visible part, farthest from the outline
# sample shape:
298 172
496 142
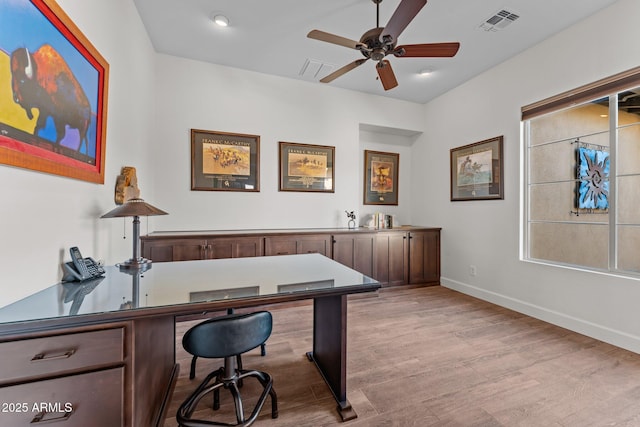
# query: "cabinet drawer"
92 399
38 357
279 246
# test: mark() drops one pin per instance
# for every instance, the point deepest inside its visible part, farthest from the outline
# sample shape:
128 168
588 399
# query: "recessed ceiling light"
221 20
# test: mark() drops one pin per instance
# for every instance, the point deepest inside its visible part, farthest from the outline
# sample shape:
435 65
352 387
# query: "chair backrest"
229 335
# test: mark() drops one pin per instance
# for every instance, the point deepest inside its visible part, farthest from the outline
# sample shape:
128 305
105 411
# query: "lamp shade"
134 207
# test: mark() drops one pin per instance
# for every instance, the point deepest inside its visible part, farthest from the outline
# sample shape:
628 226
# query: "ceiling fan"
379 42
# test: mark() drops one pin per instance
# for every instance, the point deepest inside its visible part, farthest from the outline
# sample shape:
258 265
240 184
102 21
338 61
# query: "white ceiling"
269 36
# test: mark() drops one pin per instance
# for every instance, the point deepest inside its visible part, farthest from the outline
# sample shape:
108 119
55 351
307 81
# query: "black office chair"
192 371
227 337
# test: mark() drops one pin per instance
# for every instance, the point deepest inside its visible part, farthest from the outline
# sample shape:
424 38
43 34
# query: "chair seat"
227 337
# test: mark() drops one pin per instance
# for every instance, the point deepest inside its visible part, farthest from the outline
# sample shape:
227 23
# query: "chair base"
212 384
192 371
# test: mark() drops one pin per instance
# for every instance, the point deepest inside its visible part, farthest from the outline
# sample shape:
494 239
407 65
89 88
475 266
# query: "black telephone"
80 269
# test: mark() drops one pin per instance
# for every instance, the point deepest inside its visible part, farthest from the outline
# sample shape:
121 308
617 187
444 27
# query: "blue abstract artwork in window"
593 173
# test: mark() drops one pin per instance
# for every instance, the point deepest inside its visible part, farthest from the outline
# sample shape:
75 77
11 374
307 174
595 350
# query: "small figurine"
352 219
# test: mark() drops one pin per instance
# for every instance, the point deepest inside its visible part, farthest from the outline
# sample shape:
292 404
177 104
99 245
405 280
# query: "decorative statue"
352 219
126 185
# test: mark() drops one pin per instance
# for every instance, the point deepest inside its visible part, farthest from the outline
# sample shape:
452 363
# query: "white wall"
203 96
486 233
43 215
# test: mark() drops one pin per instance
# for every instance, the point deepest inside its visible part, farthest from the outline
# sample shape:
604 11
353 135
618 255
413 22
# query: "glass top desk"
155 297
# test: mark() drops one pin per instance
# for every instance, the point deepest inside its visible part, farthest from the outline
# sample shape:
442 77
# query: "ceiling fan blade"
386 74
332 38
340 71
427 50
404 14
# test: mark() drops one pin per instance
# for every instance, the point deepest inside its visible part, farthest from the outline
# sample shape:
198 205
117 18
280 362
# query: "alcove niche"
391 140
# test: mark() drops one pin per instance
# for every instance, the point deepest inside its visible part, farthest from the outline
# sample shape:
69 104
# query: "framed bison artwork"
54 109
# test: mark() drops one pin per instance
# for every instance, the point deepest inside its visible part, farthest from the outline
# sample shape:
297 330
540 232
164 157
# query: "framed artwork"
381 178
222 161
306 167
592 186
53 114
477 171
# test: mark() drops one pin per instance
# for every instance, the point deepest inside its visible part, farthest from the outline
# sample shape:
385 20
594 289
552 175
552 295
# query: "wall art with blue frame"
592 170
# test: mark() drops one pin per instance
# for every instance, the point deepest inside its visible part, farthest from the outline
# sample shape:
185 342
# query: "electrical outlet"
473 270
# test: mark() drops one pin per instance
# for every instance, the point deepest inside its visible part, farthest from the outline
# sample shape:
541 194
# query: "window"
583 176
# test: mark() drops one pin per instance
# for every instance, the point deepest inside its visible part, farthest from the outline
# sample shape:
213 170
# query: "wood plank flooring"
434 357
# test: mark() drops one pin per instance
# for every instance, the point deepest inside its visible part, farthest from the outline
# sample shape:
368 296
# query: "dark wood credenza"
396 256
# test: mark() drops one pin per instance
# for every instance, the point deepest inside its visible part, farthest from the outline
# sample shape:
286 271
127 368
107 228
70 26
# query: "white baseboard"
593 330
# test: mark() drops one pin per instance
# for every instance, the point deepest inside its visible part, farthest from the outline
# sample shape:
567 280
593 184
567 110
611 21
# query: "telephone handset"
80 269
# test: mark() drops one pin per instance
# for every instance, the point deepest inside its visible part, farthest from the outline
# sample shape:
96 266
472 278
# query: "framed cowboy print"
381 178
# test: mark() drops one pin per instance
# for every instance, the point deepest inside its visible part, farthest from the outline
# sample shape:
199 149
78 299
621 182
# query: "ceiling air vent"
499 20
313 69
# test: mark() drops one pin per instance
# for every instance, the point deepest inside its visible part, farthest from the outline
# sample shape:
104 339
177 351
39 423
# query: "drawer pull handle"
283 253
40 418
43 356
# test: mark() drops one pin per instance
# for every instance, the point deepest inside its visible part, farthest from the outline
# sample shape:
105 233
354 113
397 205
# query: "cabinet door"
279 245
424 257
188 249
157 251
174 250
356 251
248 247
319 244
297 244
238 247
391 267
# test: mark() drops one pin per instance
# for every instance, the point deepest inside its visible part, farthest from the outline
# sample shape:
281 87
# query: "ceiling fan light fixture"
220 20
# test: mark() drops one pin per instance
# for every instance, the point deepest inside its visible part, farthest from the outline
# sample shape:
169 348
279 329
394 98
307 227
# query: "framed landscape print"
381 178
477 171
53 105
306 167
223 161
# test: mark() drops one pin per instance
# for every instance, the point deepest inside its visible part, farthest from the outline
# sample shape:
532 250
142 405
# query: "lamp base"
135 265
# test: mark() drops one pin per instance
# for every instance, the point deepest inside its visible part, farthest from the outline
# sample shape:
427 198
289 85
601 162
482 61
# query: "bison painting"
43 80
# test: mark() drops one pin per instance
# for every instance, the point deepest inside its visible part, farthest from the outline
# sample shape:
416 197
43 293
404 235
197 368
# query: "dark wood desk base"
133 351
330 348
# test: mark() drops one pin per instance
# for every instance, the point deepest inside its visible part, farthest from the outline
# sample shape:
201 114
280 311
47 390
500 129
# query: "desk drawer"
92 399
39 357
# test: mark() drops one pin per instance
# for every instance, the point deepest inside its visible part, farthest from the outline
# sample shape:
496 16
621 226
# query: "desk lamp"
136 208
